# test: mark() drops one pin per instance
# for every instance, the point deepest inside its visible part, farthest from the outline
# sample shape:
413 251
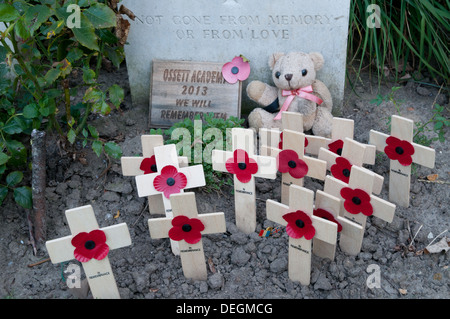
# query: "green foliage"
437 124
214 179
412 34
41 51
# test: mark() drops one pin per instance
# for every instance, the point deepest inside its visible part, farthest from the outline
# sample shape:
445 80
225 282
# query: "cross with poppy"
294 165
245 166
402 152
146 164
187 228
328 206
353 153
358 203
90 245
301 226
170 179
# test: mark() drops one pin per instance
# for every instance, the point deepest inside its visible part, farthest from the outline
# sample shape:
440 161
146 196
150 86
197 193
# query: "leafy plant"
437 124
412 34
42 51
214 179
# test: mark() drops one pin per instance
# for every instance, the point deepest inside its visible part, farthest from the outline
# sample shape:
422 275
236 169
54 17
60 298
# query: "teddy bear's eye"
277 74
304 72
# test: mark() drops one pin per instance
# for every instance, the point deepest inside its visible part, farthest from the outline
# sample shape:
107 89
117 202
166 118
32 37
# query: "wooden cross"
84 243
133 166
348 229
357 203
316 168
401 149
301 199
353 153
245 166
181 227
169 179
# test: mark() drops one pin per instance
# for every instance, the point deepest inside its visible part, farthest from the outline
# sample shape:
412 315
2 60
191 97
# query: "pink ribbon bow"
301 92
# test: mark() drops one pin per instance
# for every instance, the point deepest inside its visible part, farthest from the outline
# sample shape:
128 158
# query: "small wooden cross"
346 228
357 203
353 153
315 168
301 230
401 150
87 244
139 165
245 166
170 179
188 227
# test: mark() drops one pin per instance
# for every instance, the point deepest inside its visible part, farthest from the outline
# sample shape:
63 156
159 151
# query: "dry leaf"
211 265
432 177
442 245
117 215
403 291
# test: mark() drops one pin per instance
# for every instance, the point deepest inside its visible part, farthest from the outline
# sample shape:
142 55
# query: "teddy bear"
296 90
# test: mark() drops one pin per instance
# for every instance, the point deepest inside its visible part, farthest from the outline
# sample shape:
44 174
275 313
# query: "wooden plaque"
183 89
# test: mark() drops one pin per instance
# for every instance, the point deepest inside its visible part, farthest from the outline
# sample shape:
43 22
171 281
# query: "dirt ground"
240 266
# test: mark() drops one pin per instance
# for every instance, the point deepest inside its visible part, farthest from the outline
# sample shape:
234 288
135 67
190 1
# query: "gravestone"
219 30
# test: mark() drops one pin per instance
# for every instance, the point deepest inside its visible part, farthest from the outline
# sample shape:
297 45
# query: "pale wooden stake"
355 153
363 179
167 155
131 167
244 193
350 229
192 255
98 272
400 176
299 266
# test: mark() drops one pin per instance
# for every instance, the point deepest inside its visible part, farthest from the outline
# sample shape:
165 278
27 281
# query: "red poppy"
356 201
341 170
170 181
336 147
400 150
289 162
148 165
242 166
186 228
90 245
299 224
280 145
322 213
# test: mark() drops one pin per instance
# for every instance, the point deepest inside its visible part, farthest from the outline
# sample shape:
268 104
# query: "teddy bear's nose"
288 77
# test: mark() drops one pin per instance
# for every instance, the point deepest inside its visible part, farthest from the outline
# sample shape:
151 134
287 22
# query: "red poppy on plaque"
236 70
356 201
289 162
299 225
90 245
187 229
336 147
242 166
399 150
148 165
280 145
170 181
322 213
341 170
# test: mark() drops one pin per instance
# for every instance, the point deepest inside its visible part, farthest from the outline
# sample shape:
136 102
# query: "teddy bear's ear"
317 59
274 58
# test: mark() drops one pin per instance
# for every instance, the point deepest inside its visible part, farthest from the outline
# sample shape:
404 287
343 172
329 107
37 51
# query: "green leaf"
97 147
74 55
8 13
35 16
113 150
23 197
20 29
85 34
4 158
88 76
101 16
52 75
93 131
31 111
3 193
116 95
14 178
71 136
12 127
